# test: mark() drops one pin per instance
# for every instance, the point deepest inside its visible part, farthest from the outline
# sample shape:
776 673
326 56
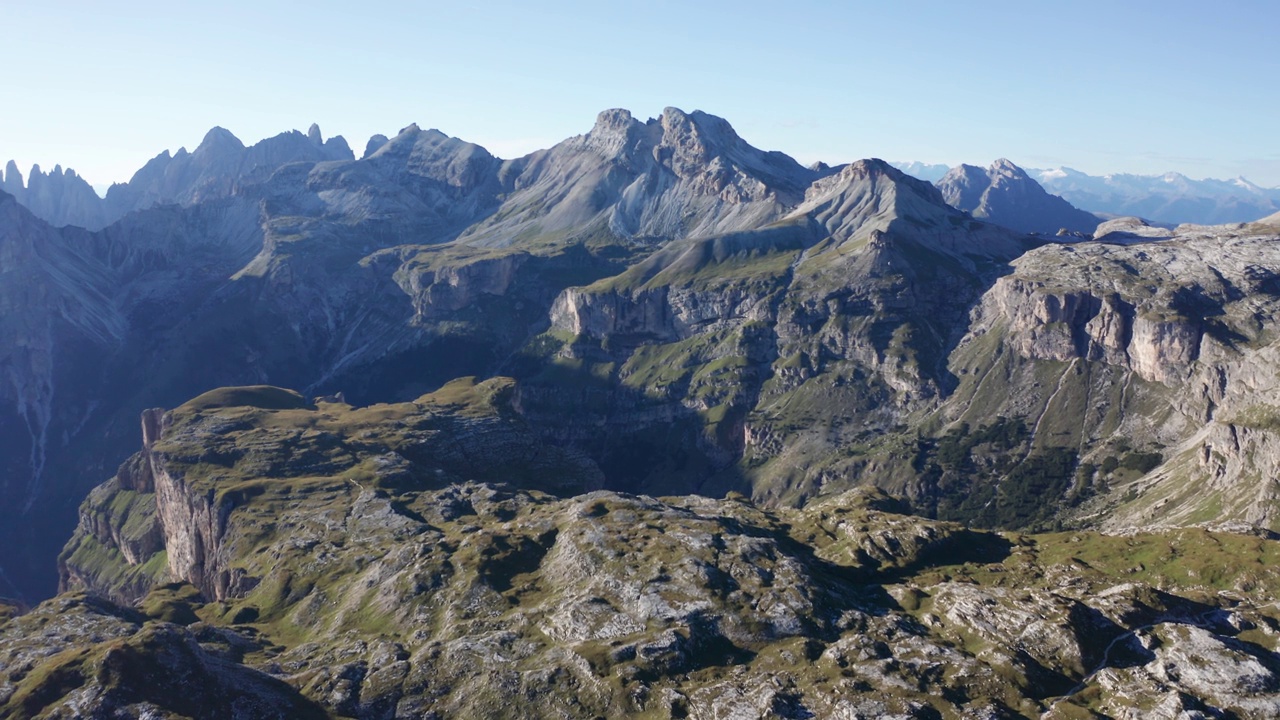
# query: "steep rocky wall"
1045 323
645 313
145 525
1189 317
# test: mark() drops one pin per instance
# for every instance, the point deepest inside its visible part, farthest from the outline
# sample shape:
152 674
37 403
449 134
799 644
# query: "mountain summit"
1005 194
60 197
678 175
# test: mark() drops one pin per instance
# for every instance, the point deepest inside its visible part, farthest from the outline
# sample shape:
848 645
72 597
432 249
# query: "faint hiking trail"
1201 621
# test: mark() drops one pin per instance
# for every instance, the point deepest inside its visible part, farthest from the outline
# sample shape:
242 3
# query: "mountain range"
1171 198
650 421
184 178
62 197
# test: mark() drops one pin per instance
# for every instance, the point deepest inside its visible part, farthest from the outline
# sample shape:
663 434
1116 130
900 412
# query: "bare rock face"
1050 629
1070 325
79 310
437 293
1218 672
53 301
1148 307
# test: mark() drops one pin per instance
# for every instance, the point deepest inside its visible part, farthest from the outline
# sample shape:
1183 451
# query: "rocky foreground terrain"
651 422
263 556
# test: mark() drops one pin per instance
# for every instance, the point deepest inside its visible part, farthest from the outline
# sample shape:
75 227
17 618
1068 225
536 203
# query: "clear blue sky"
1100 86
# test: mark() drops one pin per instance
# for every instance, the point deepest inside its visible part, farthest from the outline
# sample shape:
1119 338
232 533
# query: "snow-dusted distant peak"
1171 197
1245 184
929 172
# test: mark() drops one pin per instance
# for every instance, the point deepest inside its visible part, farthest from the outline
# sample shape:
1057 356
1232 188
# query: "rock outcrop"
128 664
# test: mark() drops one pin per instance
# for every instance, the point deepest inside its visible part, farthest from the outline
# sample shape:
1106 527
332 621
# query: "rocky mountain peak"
1004 168
375 143
695 141
872 166
679 175
338 149
405 138
12 182
1245 183
219 140
705 147
710 132
869 197
685 142
964 173
875 169
615 133
60 197
1005 194
963 186
313 134
404 141
613 120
